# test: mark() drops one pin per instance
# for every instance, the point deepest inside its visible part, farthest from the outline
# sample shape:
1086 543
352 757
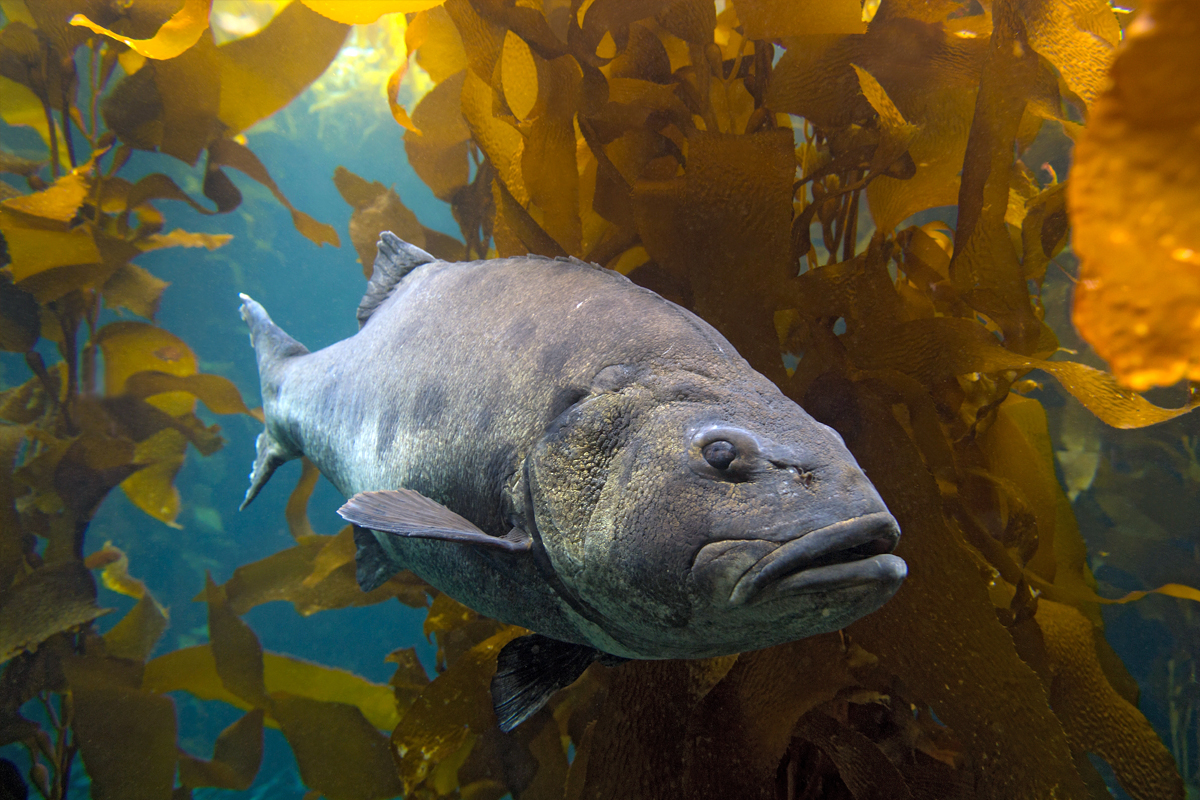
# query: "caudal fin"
273 348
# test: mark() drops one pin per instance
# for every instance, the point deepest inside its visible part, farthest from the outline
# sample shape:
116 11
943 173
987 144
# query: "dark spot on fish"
521 332
427 406
385 431
555 356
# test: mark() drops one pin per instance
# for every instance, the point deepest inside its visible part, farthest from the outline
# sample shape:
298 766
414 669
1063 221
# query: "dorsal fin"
395 259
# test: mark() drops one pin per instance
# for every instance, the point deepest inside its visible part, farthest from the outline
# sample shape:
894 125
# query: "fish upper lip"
834 549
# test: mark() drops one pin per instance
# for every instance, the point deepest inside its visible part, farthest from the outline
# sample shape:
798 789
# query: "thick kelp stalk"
841 188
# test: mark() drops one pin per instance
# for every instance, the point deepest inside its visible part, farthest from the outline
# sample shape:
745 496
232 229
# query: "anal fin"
530 669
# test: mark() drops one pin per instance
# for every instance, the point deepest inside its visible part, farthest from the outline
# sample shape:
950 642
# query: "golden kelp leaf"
177 34
236 757
134 288
296 511
439 154
774 19
1018 449
152 488
953 654
454 704
193 670
1097 719
1135 205
316 575
519 75
895 133
20 106
127 740
215 391
52 284
1077 36
59 201
439 48
363 12
92 466
502 143
182 238
276 577
227 152
338 751
157 186
393 89
236 652
49 600
132 347
20 321
549 161
262 73
378 208
138 631
36 250
115 575
190 101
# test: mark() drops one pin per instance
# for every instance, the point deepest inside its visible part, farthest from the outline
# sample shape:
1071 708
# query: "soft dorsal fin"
395 259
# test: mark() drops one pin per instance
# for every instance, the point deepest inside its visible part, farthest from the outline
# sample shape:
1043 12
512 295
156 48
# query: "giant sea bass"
560 449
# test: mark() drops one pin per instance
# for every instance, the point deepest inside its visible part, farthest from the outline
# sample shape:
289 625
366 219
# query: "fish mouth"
849 553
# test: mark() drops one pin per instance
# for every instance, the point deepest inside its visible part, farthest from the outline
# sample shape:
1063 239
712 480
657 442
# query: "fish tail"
273 348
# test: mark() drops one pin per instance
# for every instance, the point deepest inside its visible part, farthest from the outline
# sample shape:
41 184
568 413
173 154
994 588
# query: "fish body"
560 449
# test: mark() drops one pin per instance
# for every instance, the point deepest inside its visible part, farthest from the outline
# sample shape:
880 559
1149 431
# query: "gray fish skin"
561 399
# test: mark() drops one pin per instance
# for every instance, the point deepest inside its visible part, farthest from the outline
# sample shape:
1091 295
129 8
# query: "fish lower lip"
846 553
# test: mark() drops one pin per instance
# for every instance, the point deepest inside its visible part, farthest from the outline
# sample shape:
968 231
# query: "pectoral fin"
531 668
408 513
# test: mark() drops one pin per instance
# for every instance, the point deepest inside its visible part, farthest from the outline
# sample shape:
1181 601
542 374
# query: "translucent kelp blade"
176 35
1134 198
362 12
193 670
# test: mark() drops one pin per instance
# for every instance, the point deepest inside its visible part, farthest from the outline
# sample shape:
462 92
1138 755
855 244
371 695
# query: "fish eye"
720 454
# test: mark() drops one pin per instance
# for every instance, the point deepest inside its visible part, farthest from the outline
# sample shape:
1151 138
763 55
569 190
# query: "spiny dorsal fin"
395 259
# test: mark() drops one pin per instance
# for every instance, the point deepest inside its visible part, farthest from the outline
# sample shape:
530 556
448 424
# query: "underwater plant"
853 193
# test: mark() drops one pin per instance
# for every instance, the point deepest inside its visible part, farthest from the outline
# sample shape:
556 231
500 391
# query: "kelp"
119 405
848 191
1134 201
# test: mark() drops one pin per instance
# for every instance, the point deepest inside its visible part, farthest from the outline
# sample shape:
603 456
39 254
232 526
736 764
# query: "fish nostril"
804 477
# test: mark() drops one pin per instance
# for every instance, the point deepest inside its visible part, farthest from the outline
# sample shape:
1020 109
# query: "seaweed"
862 197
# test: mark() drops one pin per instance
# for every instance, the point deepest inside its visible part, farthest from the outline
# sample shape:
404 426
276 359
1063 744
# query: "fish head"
709 518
